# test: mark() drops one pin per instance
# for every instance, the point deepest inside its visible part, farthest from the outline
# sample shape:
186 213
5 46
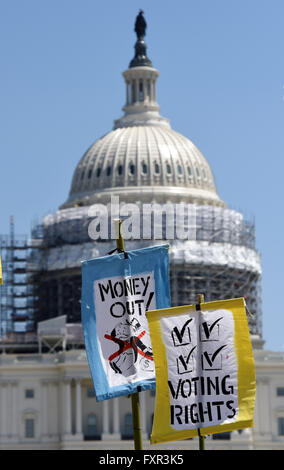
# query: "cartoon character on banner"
133 352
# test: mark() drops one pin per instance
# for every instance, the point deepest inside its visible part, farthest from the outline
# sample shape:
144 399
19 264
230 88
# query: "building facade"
47 402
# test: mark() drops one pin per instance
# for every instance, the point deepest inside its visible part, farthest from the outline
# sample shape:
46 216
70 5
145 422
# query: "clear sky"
221 84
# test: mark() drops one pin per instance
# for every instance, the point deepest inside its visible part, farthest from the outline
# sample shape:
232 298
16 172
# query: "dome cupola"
142 158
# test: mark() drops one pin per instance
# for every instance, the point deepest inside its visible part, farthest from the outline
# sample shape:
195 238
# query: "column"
116 422
137 90
145 97
67 415
12 411
51 411
150 90
79 433
142 402
106 434
44 407
154 90
262 429
9 405
4 414
127 94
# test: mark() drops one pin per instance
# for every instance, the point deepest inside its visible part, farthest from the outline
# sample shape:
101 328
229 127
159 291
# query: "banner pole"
136 418
200 299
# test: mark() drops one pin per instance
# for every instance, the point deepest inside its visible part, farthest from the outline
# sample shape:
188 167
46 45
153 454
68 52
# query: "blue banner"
116 293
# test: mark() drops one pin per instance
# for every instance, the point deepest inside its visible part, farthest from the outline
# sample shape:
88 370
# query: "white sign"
201 358
122 326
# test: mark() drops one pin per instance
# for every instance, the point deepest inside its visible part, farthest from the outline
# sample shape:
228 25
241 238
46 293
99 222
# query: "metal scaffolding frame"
42 275
17 299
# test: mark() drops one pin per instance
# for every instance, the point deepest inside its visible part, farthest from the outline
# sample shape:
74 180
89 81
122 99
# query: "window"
128 428
120 169
82 174
169 169
144 168
280 391
98 172
222 435
141 94
157 168
133 92
29 428
90 173
197 172
132 168
92 425
179 170
92 433
108 172
189 171
281 426
91 392
29 393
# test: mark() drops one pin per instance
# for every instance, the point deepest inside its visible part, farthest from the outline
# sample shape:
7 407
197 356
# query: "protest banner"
117 290
205 377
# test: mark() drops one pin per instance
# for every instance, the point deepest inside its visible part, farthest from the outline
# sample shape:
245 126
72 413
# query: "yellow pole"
200 299
119 240
136 415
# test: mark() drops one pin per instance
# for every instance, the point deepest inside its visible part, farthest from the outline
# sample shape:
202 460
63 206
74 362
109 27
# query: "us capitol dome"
143 160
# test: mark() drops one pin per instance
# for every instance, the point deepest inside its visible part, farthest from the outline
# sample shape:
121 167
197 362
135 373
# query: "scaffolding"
6 287
187 281
219 261
216 224
17 299
42 275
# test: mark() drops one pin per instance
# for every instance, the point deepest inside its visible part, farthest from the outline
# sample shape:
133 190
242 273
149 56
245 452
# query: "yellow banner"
1 277
205 376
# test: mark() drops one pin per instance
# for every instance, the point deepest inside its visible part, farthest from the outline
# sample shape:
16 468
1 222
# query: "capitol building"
47 399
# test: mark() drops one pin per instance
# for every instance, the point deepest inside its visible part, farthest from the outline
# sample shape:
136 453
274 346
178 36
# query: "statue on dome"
140 25
140 59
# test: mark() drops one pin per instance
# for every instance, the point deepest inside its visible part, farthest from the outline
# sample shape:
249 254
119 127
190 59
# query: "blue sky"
221 84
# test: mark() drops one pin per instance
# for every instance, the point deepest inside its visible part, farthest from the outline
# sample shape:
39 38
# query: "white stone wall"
46 396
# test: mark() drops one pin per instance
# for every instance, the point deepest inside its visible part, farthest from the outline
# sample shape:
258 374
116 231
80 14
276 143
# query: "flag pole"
200 300
136 415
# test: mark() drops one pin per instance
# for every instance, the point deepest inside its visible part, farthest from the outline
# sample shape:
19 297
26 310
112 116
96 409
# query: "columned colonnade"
59 409
9 422
111 428
141 86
